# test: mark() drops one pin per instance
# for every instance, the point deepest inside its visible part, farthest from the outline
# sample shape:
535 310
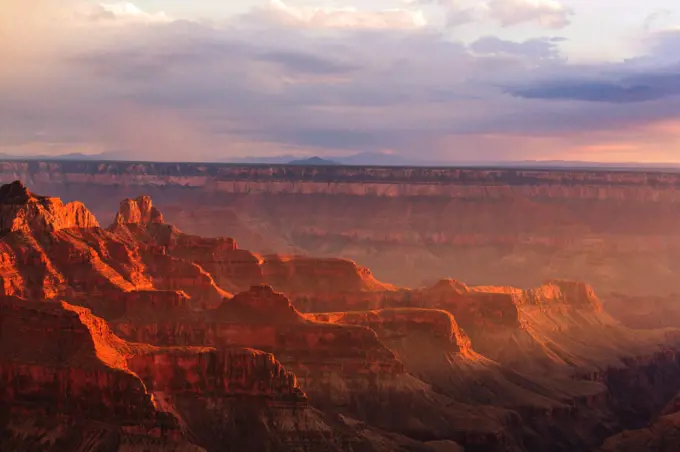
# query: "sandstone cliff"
616 229
22 211
52 250
341 367
237 269
65 374
308 353
138 211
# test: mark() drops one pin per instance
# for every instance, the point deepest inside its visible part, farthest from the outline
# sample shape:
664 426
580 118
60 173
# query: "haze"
426 80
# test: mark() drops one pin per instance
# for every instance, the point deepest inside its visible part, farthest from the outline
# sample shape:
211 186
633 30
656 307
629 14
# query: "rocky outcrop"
615 229
65 376
557 292
236 372
343 368
22 211
179 362
139 211
306 275
48 354
437 324
170 273
558 325
49 253
237 269
61 337
433 348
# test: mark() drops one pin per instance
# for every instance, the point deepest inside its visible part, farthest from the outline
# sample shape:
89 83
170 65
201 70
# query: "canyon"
217 308
615 229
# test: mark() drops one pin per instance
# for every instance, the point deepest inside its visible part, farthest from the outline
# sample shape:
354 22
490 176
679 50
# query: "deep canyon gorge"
205 307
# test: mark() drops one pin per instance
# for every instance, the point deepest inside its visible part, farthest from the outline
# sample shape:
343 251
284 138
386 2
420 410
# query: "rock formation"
138 211
340 367
22 211
615 229
52 252
143 337
64 373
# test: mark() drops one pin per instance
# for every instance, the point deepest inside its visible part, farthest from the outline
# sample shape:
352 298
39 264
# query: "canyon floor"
228 308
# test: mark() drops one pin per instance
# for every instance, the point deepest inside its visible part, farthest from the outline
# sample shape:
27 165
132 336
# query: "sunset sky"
429 80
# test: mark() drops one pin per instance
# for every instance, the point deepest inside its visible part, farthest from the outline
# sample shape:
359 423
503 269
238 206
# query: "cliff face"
341 367
151 351
138 211
614 229
49 254
22 211
237 269
49 354
63 373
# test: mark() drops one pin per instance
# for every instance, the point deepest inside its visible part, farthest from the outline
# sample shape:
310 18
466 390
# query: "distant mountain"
375 159
271 160
361 159
378 159
314 161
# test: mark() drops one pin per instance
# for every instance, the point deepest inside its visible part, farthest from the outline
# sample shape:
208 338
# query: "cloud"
306 63
257 85
640 88
123 13
657 20
546 13
341 18
651 77
533 48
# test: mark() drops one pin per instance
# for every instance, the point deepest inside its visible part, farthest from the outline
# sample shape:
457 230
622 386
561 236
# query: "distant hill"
313 161
379 159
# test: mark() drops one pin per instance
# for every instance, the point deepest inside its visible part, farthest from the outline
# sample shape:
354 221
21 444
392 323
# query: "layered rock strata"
616 229
381 369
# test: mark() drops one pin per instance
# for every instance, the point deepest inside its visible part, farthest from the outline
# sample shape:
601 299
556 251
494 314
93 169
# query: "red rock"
336 365
571 293
53 255
48 354
298 274
615 229
22 211
61 368
401 322
235 269
393 362
138 211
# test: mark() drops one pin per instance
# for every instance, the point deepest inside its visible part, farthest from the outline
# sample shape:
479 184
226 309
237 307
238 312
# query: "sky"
425 80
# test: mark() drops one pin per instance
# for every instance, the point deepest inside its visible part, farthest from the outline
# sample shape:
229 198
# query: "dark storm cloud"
654 76
633 89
